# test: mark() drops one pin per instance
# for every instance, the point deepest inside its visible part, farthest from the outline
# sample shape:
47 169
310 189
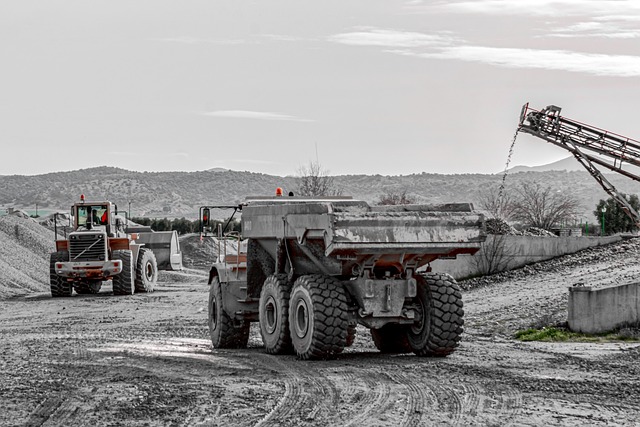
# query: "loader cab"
91 215
97 216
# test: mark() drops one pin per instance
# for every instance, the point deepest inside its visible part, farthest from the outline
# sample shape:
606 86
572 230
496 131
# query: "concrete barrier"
502 253
593 311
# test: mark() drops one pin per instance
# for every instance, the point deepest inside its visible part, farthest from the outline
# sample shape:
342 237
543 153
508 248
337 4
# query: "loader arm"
583 141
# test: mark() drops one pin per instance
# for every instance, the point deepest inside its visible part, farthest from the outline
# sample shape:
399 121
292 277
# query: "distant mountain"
178 194
567 164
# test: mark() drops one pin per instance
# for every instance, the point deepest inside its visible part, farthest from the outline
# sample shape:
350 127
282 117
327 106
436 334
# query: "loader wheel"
224 333
439 302
123 282
274 315
59 285
146 271
318 317
92 287
391 339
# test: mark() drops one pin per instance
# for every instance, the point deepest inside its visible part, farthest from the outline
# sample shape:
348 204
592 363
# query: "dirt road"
147 360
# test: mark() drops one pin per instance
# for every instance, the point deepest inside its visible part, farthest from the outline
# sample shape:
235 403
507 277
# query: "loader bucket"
165 246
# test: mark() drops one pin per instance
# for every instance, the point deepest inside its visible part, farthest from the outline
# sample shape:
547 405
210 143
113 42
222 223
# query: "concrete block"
594 311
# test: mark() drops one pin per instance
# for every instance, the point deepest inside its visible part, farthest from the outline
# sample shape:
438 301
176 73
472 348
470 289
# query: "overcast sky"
375 87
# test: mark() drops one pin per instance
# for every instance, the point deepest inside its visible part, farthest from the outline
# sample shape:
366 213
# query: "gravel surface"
146 360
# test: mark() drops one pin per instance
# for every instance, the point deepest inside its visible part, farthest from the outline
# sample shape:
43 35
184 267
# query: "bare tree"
314 180
497 203
543 207
494 255
394 198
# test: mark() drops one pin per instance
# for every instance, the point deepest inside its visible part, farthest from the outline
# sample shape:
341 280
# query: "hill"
567 164
178 194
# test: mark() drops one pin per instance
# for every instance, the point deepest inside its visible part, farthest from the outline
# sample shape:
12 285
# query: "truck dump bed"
354 230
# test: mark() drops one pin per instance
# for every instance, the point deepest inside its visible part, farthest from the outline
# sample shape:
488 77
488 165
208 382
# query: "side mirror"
206 214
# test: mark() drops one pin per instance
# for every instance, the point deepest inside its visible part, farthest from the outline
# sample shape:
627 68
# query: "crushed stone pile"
535 231
25 248
588 256
501 227
201 254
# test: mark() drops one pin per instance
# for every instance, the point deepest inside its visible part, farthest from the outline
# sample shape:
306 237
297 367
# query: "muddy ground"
146 360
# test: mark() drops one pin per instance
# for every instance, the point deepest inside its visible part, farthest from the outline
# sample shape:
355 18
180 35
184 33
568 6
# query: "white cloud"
596 64
257 115
596 29
435 46
539 7
390 38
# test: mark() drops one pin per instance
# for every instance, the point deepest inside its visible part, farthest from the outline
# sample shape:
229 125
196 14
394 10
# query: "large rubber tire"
146 271
274 315
224 333
318 317
123 282
88 287
59 285
391 338
438 331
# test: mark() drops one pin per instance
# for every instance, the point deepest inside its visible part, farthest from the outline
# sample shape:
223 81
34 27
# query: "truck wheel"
391 338
146 271
274 315
439 301
224 334
123 282
92 287
59 285
318 317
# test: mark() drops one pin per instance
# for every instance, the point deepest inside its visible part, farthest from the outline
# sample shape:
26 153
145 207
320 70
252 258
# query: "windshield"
98 213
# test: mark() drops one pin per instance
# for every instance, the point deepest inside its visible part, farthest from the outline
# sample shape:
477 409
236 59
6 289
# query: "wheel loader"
310 270
101 248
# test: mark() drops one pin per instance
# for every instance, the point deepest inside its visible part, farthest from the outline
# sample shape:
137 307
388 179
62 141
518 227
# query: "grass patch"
557 334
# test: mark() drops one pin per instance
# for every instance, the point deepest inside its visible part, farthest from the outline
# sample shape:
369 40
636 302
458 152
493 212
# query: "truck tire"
123 282
224 333
440 326
318 317
391 339
60 287
146 271
274 315
88 287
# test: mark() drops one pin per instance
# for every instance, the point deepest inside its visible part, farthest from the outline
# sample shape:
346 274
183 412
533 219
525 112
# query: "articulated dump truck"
310 270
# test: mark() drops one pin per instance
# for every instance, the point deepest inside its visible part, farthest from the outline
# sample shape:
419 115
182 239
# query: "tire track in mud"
373 403
54 412
419 397
298 397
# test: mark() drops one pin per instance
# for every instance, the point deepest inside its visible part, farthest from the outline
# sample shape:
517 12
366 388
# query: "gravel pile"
25 248
200 254
588 256
499 226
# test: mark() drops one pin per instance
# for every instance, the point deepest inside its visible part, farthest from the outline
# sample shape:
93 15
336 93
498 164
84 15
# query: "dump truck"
100 247
310 270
